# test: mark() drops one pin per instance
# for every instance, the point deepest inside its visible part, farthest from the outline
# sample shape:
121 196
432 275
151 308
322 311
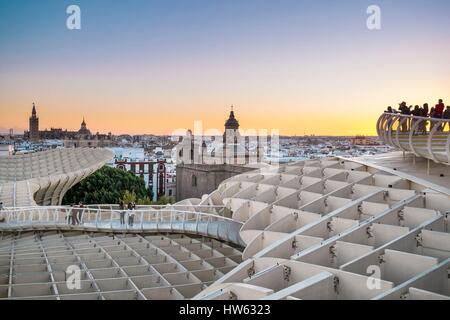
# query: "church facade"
203 162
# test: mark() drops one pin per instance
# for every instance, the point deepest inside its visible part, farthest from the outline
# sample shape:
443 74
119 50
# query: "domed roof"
232 123
83 129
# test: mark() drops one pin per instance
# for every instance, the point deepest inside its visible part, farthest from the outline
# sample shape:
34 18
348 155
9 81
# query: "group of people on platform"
75 214
130 207
439 111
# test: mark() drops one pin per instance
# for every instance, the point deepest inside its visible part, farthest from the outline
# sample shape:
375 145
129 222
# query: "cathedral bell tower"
34 125
231 139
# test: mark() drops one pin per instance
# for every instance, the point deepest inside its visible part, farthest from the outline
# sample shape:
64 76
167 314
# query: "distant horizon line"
3 132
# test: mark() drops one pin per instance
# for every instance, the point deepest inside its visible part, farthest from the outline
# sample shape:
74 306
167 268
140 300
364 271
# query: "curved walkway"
424 137
145 220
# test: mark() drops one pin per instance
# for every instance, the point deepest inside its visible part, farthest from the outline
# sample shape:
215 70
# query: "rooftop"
408 166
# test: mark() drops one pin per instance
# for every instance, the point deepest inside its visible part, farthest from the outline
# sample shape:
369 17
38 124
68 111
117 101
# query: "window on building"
194 180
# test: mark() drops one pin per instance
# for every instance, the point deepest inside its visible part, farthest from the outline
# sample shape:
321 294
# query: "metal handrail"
17 212
156 206
416 117
164 220
97 206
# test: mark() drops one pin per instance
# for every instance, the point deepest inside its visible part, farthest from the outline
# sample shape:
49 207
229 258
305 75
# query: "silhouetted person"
438 112
446 115
423 113
403 108
425 110
405 111
439 109
431 116
416 112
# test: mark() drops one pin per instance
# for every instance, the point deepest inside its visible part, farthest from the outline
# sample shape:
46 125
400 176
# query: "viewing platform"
423 136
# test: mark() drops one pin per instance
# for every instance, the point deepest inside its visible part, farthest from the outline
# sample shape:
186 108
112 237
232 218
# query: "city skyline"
301 67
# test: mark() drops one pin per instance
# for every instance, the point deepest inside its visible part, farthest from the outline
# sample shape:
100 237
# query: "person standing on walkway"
74 215
129 207
80 212
122 212
130 214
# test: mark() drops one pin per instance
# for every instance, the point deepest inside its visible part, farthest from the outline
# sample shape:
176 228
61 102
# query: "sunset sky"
139 66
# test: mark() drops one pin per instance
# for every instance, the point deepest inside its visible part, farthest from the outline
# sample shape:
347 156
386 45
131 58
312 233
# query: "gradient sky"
153 66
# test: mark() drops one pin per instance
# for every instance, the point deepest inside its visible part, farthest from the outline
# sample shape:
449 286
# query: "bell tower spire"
34 125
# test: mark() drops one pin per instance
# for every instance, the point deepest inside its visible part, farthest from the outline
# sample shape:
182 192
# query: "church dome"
84 130
231 122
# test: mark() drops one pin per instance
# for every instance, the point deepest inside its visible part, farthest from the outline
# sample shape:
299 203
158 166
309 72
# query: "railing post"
207 225
196 222
228 231
157 219
82 216
447 144
96 219
436 126
218 224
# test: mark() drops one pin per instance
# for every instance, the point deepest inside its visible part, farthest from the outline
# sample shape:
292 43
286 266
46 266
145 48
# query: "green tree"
166 200
144 201
129 197
107 185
